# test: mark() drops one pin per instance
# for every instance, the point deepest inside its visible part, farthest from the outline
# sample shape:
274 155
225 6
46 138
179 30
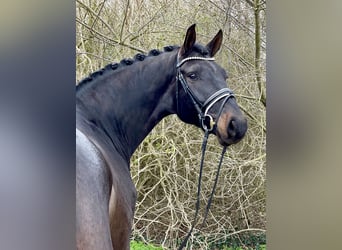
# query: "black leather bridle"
206 121
208 124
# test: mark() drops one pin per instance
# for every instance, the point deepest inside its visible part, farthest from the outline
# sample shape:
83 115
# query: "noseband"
208 124
206 120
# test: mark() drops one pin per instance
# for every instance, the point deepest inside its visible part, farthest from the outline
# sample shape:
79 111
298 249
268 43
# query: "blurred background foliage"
165 166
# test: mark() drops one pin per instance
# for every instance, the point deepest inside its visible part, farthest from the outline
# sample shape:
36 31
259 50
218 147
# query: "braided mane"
123 63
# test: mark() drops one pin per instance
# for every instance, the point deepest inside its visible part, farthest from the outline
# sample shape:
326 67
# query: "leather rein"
208 124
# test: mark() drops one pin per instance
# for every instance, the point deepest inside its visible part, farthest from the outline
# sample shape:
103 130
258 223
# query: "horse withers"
116 108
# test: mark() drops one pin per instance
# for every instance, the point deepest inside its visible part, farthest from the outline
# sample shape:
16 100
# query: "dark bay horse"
117 107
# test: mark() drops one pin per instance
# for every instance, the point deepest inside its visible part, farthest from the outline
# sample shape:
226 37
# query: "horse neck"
126 104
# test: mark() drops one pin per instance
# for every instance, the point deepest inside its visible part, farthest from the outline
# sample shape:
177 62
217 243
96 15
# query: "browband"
194 58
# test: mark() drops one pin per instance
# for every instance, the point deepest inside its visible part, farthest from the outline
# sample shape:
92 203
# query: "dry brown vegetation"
165 167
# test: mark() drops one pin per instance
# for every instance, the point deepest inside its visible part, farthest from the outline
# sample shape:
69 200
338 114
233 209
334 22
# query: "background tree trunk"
262 89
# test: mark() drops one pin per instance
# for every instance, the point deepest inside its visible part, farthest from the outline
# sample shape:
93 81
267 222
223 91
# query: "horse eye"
193 76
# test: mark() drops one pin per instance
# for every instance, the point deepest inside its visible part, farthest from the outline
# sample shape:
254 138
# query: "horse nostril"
231 128
237 128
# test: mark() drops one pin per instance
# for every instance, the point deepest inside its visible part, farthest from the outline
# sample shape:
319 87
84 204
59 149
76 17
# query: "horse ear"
215 44
189 41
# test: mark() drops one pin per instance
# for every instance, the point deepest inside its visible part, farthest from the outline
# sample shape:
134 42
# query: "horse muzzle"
231 128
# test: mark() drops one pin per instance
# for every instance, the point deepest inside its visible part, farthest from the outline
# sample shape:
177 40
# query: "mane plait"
170 48
90 77
97 73
154 52
127 61
124 62
140 57
112 66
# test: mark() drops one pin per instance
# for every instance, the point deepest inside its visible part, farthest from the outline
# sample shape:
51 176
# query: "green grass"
135 245
261 247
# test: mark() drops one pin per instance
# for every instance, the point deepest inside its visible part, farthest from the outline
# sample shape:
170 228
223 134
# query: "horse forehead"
202 50
206 67
196 62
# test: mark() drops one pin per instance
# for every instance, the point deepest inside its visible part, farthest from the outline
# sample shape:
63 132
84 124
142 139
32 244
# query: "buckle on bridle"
208 123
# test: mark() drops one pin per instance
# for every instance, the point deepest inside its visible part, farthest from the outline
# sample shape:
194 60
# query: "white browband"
194 58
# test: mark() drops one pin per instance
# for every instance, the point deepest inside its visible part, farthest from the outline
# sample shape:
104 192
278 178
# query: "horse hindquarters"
92 197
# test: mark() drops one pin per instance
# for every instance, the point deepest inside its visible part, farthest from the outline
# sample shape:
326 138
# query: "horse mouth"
227 141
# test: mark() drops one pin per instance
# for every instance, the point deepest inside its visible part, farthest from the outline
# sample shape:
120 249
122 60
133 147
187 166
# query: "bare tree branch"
109 40
248 30
124 21
94 14
94 55
250 3
253 117
98 14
